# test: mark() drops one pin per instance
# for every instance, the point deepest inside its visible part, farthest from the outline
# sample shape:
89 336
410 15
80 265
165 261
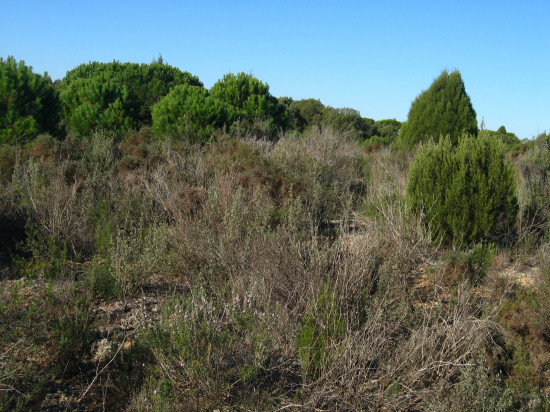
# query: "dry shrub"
8 156
325 167
135 150
230 235
135 143
53 207
42 147
385 207
64 202
533 194
176 183
254 168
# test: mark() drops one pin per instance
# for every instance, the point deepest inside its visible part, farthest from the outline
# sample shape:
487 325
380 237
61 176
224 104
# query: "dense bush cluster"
189 249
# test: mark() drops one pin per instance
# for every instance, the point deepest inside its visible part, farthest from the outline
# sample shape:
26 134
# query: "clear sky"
373 56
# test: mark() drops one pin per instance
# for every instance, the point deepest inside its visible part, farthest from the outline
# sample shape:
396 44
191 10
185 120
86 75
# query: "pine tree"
250 100
96 103
443 110
139 87
189 113
29 103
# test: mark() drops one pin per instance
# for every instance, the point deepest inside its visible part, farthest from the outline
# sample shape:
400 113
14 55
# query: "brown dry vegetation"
255 275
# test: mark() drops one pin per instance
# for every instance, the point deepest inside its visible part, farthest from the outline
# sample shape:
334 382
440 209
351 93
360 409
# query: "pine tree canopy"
29 103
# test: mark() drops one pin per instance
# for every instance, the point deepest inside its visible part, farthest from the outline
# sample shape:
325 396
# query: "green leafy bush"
307 113
467 193
346 120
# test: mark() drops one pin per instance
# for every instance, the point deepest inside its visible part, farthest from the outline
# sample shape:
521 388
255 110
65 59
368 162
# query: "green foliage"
387 129
443 110
189 113
479 262
348 120
29 103
308 112
47 260
467 193
94 103
510 140
143 85
311 112
250 99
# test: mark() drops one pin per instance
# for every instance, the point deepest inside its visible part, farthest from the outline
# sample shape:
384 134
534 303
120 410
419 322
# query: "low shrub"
325 167
210 349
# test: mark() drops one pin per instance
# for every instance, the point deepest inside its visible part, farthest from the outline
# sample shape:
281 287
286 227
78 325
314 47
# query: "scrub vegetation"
167 247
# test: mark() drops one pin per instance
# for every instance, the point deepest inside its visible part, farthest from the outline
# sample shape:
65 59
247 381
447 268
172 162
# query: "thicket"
249 97
119 97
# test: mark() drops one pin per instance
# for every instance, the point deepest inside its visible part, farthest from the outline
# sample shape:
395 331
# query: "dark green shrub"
307 112
47 260
444 109
467 193
479 262
346 120
388 129
510 140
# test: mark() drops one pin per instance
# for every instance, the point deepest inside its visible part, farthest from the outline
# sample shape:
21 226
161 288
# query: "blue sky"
373 56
